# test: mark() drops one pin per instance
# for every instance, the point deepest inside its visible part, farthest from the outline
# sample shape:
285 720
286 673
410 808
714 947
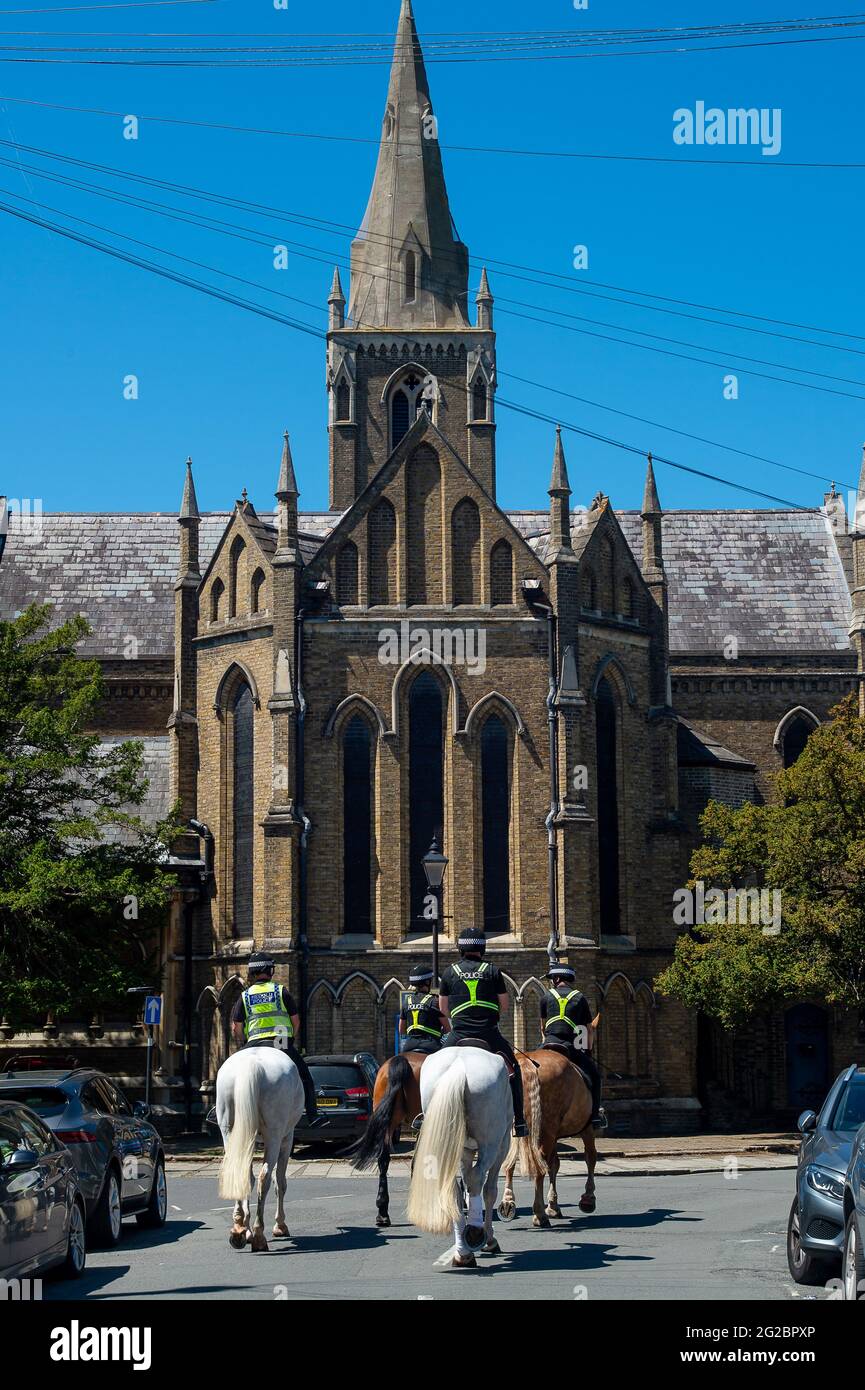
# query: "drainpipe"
303 938
553 726
205 834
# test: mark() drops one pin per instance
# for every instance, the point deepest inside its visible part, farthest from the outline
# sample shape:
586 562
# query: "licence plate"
323 1104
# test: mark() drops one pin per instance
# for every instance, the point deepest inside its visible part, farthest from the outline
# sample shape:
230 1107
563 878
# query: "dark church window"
495 819
343 401
589 591
357 827
243 808
608 810
255 591
382 553
405 406
629 608
796 735
426 784
465 549
216 594
346 574
501 574
479 400
237 548
400 422
410 277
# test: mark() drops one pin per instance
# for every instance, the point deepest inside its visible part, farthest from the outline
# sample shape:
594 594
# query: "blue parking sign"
153 1010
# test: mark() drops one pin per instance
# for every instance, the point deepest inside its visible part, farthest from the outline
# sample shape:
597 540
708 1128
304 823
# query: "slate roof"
156 761
698 749
772 579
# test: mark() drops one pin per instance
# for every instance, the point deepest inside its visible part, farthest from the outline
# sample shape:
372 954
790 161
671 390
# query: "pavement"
696 1236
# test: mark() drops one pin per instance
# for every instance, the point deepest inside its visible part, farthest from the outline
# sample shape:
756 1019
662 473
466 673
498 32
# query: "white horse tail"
433 1204
527 1152
234 1175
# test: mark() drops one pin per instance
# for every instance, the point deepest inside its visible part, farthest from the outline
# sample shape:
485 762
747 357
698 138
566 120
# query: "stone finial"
651 502
484 302
559 484
336 300
287 485
189 505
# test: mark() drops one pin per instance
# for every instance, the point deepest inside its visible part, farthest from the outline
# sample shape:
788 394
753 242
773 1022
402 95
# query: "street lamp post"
434 865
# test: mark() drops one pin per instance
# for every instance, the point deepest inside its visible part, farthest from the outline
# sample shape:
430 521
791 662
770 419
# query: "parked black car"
117 1152
344 1084
853 1265
815 1229
41 1205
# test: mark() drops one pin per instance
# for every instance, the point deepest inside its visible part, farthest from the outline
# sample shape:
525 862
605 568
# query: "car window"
338 1076
98 1097
36 1136
11 1137
119 1098
850 1114
45 1100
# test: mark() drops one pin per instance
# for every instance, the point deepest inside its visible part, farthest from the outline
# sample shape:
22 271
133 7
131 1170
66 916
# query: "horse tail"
527 1152
433 1204
234 1174
375 1144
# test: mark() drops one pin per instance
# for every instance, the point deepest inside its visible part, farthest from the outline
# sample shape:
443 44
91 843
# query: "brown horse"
396 1101
564 1111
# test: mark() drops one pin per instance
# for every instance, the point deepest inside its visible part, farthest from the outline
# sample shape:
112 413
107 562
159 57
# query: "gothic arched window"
796 735
382 553
479 399
255 591
343 401
216 594
426 784
346 574
501 574
238 546
608 809
357 826
406 400
465 552
400 424
243 809
589 590
423 527
629 604
495 821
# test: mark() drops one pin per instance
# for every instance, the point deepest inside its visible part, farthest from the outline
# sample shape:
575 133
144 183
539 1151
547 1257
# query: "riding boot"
521 1129
599 1118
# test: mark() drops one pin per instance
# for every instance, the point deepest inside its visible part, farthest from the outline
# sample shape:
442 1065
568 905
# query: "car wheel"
853 1267
107 1221
804 1268
157 1208
76 1247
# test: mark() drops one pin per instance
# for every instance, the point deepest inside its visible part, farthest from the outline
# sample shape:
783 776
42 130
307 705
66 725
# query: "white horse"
468 1115
258 1092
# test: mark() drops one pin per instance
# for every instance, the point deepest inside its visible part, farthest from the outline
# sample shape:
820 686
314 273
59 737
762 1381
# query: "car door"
53 1164
22 1200
137 1142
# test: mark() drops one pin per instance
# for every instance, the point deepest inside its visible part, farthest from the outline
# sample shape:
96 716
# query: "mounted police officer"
473 996
567 1021
420 1020
265 1015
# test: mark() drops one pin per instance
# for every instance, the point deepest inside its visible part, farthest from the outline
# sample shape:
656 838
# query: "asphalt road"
697 1236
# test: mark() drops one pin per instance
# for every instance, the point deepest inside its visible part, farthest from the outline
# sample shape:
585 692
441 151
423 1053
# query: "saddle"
565 1048
485 1047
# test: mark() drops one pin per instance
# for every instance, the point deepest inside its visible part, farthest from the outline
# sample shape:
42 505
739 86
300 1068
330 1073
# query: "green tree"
809 843
83 881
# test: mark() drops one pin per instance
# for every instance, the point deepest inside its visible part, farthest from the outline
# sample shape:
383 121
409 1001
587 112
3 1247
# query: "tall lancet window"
426 784
243 809
496 818
357 827
608 810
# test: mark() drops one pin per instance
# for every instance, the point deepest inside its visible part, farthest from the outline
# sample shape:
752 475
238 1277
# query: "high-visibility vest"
427 1004
265 1012
561 1017
472 980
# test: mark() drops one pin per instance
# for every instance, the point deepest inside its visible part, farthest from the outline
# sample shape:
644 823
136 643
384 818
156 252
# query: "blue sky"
220 384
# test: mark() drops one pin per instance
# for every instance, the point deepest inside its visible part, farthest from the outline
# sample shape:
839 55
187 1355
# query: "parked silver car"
853 1264
41 1206
117 1152
815 1229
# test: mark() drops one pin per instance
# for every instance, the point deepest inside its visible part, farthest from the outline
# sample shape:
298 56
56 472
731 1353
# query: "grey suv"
117 1153
815 1229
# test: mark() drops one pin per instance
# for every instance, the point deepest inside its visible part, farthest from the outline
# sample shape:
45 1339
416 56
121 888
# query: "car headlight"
827 1184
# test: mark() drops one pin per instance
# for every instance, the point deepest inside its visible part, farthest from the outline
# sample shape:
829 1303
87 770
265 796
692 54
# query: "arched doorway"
807 1049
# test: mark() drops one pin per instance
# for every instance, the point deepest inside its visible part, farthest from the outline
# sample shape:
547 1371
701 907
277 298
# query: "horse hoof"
464 1262
541 1222
507 1211
474 1236
493 1248
382 1219
587 1204
237 1240
259 1243
553 1211
281 1233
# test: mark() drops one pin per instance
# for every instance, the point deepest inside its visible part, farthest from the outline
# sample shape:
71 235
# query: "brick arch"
613 669
256 589
494 703
347 571
217 594
386 1015
425 661
382 543
423 527
233 676
645 1060
508 1023
319 1018
616 1039
356 1018
531 1032
501 574
355 704
235 558
466 553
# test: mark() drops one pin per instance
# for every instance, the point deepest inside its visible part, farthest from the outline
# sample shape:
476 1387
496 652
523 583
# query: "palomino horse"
396 1101
565 1110
258 1092
468 1114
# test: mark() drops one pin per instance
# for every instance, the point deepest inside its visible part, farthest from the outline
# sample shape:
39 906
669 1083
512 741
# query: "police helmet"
472 941
561 972
420 974
260 964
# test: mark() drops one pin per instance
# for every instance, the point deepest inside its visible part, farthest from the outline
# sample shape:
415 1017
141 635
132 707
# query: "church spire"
408 267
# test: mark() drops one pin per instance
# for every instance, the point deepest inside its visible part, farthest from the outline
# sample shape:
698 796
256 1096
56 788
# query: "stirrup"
599 1122
417 1122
